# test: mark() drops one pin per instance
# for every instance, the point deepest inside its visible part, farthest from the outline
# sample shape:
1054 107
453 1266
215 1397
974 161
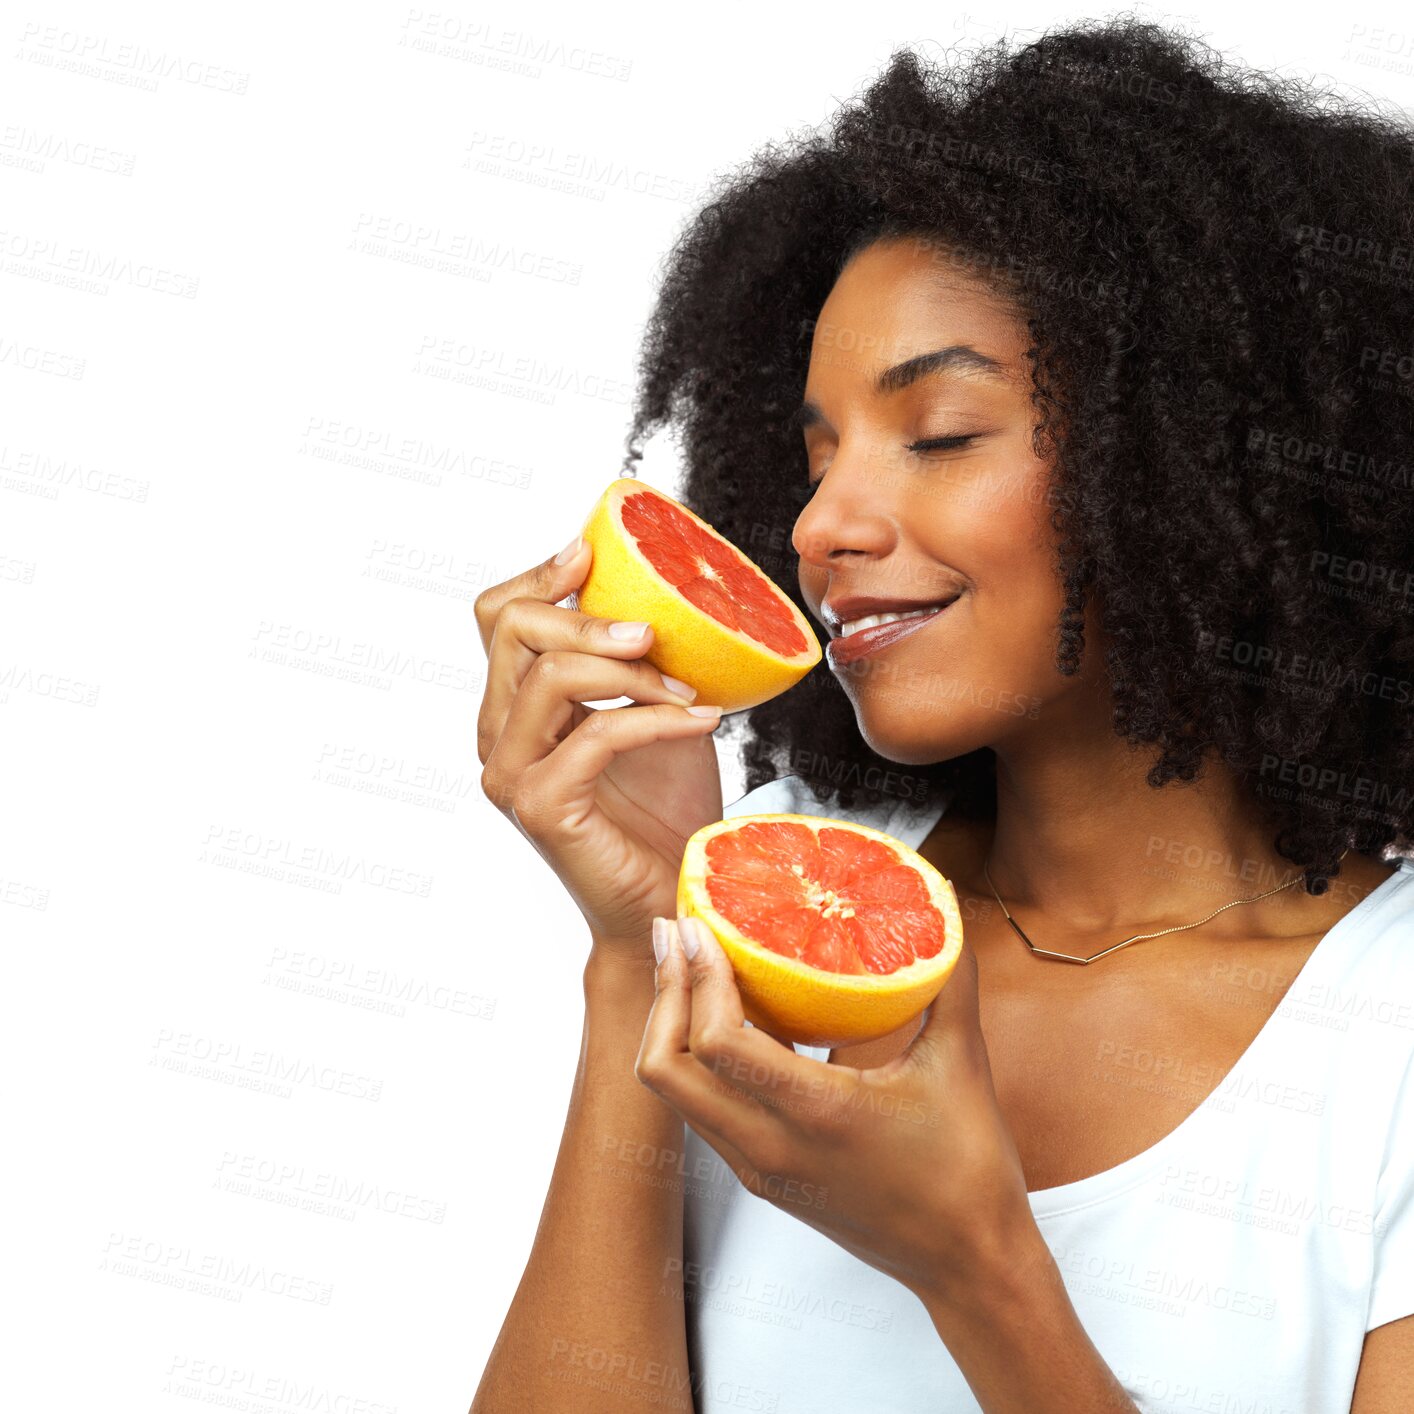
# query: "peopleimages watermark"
406 457
840 771
1350 465
1215 870
28 469
228 843
1277 665
345 976
238 1386
206 1273
21 895
1237 1199
53 261
25 147
1393 581
35 358
929 688
1361 253
1328 780
1169 1290
585 174
660 1160
319 1190
483 42
98 56
357 662
465 362
272 1072
451 252
701 1279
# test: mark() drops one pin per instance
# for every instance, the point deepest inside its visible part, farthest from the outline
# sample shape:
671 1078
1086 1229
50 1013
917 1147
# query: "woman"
1095 359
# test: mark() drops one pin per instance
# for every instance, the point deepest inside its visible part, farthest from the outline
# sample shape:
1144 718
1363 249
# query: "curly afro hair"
1215 266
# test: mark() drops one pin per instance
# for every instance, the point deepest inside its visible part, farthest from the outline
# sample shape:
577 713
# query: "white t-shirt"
1235 1265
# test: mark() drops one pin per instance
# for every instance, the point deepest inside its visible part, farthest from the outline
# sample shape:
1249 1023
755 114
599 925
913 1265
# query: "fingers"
549 582
717 1112
526 629
550 797
673 1017
952 1030
769 1071
726 1079
668 1017
542 710
518 619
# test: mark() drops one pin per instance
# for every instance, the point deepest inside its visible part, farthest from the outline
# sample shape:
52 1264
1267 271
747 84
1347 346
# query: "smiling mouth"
867 634
874 620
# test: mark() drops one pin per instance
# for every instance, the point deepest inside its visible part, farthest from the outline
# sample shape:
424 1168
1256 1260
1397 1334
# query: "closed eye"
926 444
941 444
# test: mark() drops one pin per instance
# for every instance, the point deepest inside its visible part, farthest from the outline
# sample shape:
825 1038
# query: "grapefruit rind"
729 669
800 1003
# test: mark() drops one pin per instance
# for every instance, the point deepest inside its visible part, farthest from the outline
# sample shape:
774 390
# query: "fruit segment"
710 574
836 932
837 900
719 623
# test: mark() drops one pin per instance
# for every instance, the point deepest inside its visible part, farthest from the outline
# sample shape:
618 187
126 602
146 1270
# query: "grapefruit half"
837 933
719 624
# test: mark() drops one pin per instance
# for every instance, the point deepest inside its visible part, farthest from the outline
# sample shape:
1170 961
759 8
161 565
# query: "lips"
868 633
845 611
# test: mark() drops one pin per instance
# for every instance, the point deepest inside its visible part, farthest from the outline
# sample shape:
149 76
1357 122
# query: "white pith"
833 904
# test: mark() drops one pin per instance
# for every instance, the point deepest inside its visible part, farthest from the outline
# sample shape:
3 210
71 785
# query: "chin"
916 733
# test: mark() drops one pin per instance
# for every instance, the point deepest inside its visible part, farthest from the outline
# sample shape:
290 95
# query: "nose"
848 518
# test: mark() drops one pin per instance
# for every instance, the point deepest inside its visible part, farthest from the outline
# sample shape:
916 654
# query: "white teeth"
873 620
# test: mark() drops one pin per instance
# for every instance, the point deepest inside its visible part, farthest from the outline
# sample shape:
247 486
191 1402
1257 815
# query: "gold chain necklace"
1138 937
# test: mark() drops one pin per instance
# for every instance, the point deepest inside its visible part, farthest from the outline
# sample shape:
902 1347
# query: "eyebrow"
956 359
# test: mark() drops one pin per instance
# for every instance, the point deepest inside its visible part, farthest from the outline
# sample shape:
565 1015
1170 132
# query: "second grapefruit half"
837 933
719 623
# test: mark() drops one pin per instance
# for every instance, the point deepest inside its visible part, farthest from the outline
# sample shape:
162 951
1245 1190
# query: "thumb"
953 1019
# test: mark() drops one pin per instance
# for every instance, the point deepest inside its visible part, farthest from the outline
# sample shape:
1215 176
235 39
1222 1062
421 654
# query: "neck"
1083 839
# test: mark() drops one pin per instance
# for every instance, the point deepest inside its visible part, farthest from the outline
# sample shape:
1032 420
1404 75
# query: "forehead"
902 297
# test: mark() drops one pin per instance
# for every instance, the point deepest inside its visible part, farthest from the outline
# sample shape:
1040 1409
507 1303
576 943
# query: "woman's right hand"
608 796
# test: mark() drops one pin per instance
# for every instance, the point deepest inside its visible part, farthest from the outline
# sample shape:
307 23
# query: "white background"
314 321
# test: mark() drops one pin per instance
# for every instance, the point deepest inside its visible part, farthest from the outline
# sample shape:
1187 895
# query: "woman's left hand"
909 1166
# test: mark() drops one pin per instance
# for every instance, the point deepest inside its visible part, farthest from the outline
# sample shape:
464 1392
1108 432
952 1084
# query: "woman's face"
896 526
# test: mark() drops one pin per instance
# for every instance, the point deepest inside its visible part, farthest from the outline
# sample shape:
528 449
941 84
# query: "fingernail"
570 551
681 688
705 711
687 931
660 940
626 630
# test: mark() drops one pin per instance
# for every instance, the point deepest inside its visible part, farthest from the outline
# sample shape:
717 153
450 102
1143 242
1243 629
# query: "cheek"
1000 535
995 526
